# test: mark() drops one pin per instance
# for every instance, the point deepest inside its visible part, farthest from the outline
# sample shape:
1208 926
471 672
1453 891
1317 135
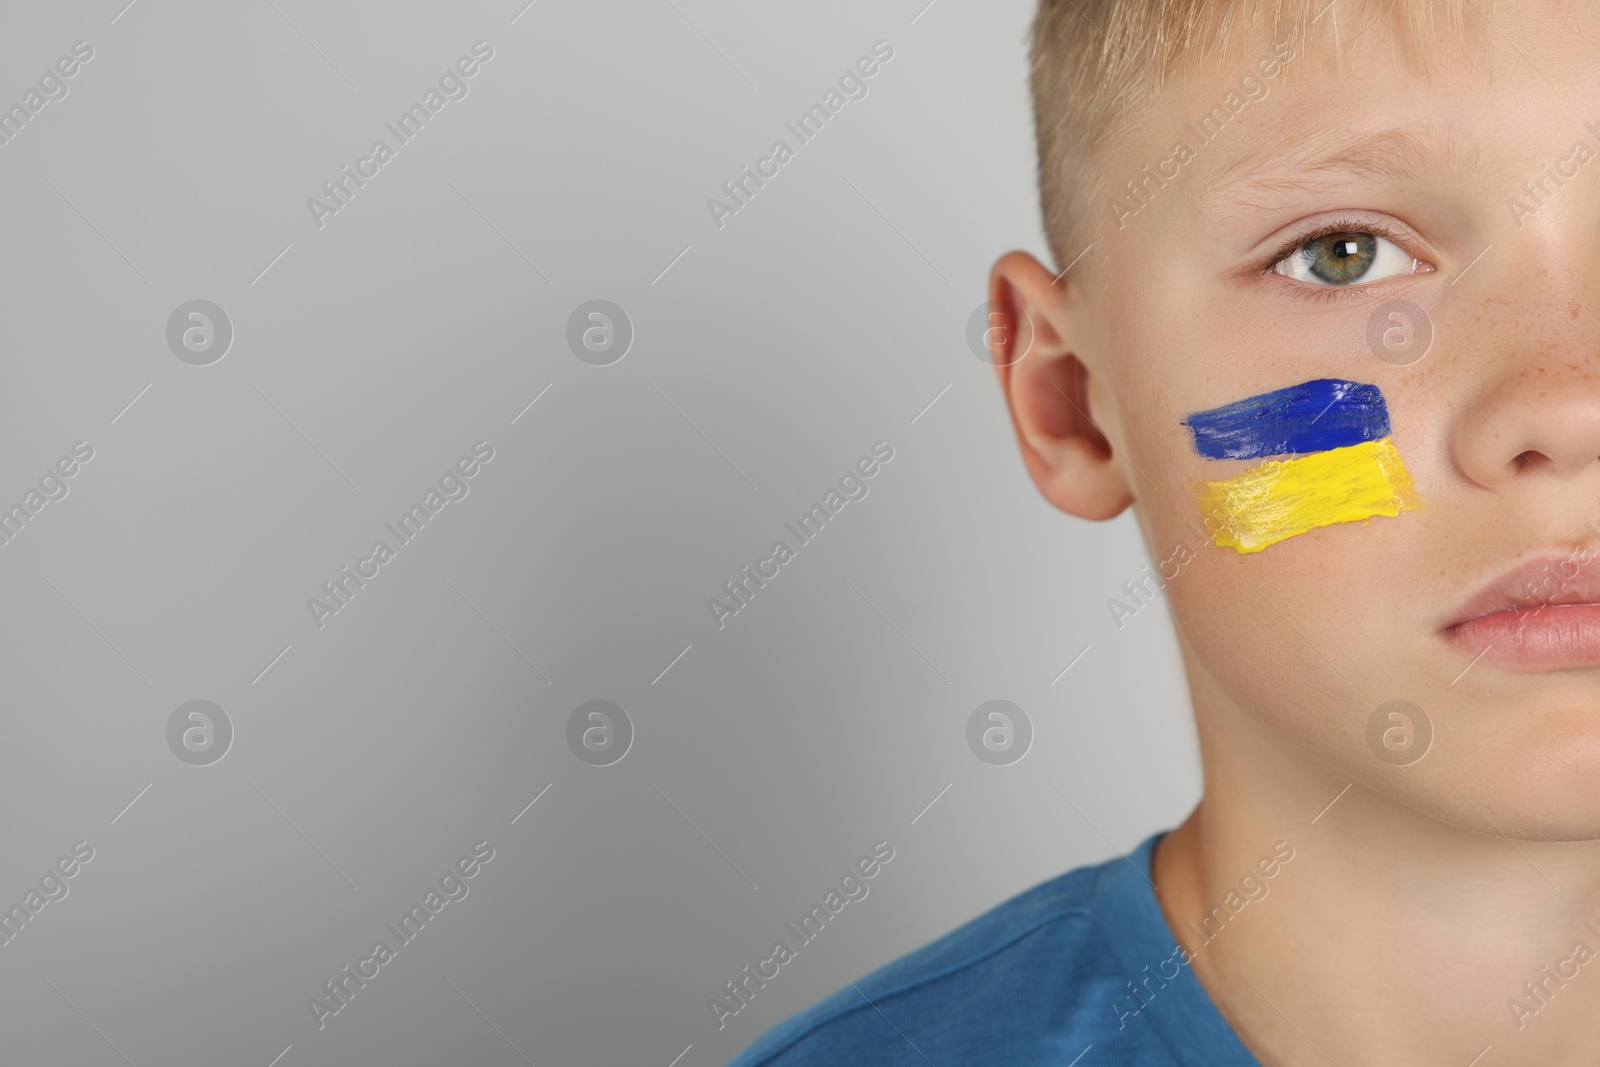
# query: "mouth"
1541 615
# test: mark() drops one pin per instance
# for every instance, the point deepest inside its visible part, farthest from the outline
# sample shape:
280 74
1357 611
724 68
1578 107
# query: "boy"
1330 316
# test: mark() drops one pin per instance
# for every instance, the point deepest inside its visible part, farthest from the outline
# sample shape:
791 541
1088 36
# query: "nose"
1529 402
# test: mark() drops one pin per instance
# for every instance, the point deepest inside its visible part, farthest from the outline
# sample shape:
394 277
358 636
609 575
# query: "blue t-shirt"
1080 970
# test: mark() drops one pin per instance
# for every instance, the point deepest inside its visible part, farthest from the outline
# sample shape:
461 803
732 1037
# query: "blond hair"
1094 62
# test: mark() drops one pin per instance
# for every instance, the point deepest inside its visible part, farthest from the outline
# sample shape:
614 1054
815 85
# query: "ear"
1033 318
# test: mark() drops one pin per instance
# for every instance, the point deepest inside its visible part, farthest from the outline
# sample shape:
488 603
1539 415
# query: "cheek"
1278 611
1339 463
1290 602
1251 658
1305 640
1280 499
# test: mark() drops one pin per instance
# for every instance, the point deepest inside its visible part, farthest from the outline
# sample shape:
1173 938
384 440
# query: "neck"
1330 921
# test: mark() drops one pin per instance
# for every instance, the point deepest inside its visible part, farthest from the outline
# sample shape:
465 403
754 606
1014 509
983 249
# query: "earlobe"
1046 387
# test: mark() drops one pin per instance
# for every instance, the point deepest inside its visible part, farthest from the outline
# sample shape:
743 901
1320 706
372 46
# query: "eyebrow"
1416 155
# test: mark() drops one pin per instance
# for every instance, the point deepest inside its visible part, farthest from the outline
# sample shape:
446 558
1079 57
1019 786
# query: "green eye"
1344 258
1341 257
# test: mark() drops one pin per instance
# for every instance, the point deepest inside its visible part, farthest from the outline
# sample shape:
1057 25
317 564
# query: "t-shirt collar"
1134 933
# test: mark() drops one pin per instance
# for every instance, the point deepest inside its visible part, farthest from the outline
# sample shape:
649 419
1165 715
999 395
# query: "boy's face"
1178 309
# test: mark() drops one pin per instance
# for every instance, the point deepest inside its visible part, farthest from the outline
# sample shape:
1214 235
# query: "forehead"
1353 107
1313 153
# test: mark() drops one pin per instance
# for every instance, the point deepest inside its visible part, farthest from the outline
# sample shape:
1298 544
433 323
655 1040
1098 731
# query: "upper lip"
1544 581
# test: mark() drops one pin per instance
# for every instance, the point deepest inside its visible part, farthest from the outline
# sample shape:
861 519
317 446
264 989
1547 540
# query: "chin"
1524 773
1535 774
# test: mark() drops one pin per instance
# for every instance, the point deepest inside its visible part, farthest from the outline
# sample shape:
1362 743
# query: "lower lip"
1545 638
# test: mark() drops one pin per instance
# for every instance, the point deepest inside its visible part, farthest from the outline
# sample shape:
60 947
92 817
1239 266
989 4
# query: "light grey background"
367 357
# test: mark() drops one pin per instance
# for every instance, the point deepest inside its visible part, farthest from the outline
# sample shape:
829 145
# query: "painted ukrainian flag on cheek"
1347 468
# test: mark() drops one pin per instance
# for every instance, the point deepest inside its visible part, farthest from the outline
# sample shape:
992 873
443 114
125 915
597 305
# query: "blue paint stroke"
1310 417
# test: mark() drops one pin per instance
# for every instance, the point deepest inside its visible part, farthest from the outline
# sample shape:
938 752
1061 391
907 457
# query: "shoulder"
1018 973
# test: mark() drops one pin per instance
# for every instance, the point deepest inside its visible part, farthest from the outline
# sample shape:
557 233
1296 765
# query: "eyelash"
1299 241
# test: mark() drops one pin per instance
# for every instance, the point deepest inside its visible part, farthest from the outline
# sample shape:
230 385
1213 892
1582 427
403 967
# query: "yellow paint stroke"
1283 498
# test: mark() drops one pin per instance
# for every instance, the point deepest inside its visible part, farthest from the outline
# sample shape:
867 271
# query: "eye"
1340 256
